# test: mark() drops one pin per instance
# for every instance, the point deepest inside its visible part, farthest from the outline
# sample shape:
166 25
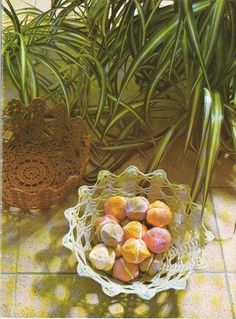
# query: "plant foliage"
157 72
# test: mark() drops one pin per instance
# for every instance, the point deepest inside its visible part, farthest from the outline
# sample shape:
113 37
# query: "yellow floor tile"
213 255
225 210
71 296
30 301
212 252
232 285
9 241
229 253
7 295
206 296
40 244
60 295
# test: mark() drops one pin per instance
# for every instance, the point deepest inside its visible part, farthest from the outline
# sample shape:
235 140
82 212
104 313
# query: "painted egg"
111 234
135 251
115 206
157 239
125 271
136 208
134 229
102 257
159 214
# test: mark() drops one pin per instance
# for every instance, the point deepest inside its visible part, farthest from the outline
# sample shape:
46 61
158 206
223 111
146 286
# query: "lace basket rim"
137 287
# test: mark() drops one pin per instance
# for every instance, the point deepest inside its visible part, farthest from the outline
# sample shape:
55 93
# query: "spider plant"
158 72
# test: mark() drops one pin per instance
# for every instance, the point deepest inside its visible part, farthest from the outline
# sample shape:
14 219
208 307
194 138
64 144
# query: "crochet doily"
44 154
188 233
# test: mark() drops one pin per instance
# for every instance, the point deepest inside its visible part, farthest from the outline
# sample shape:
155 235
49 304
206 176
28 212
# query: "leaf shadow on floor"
48 226
9 240
73 296
69 295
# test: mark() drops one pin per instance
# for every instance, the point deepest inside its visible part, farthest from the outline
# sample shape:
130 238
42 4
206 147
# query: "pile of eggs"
132 236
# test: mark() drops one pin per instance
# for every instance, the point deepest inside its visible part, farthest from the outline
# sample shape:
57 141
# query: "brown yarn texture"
45 153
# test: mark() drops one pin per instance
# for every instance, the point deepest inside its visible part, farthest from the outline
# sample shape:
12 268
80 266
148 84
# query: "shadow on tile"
40 248
72 296
9 240
7 295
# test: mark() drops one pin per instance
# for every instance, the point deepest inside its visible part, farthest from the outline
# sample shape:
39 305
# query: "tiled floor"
39 275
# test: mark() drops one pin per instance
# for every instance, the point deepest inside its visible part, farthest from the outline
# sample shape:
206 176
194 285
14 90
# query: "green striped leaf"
188 10
214 140
54 71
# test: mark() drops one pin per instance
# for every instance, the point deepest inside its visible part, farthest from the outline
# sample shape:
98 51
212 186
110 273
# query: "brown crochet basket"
45 153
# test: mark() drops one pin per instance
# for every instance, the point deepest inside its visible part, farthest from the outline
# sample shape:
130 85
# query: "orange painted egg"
115 206
135 251
125 271
134 229
157 239
159 214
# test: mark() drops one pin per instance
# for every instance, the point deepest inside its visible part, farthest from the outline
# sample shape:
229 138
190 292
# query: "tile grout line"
222 254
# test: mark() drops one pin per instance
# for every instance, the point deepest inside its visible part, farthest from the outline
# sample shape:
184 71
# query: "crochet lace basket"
188 233
45 152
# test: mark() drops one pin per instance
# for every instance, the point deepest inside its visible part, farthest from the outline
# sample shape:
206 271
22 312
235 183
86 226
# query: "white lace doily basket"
189 235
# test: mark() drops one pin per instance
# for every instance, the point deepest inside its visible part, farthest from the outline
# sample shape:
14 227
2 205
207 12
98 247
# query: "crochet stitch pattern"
187 230
45 153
